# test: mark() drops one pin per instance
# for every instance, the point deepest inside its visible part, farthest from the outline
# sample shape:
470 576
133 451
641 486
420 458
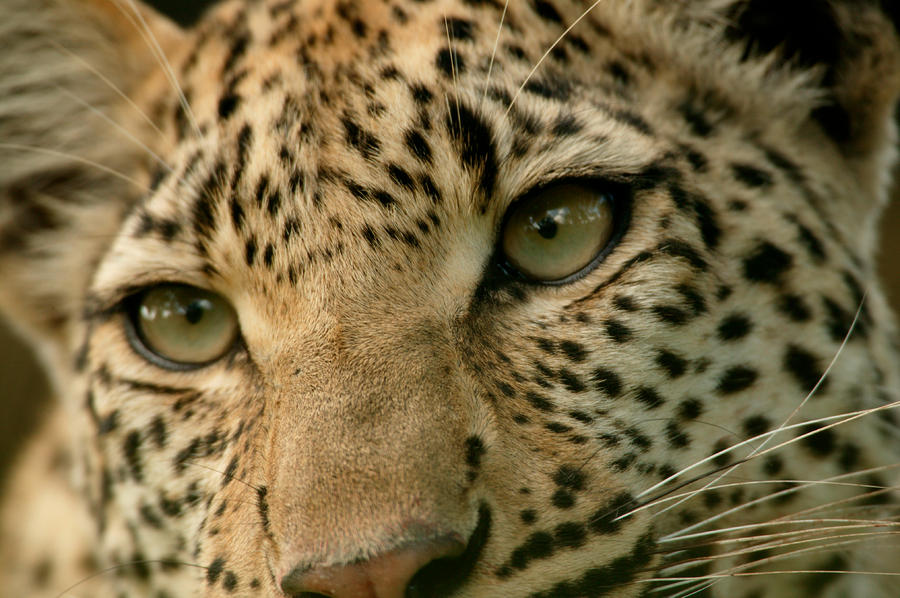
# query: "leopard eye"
183 325
560 230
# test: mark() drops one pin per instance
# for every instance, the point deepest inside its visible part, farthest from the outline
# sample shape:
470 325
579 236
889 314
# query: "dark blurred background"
24 393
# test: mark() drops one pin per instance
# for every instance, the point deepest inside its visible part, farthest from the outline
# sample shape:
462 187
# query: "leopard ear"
74 145
853 43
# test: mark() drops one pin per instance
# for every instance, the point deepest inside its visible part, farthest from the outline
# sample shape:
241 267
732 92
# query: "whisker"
487 78
847 417
547 53
454 73
100 114
225 475
812 392
74 158
801 483
760 500
115 88
129 564
153 44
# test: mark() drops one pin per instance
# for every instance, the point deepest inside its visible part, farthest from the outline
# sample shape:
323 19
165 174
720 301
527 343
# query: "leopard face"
452 299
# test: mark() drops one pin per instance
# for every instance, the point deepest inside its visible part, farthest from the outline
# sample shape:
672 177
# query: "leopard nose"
412 571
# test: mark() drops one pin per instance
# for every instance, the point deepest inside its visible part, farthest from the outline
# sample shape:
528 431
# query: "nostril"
443 576
382 576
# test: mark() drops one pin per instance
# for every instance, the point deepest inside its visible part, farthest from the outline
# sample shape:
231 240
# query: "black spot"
625 303
539 402
550 87
459 29
421 94
849 457
581 417
772 465
736 379
570 535
229 582
131 448
558 428
569 477
766 263
676 436
751 176
528 516
670 314
708 222
538 545
475 143
734 327
450 62
674 365
806 31
228 104
649 397
839 321
570 381
794 307
401 177
617 331
803 366
418 146
250 251
158 432
566 126
203 212
604 520
215 570
574 351
149 516
678 248
812 243
690 409
546 11
724 458
699 162
696 119
607 382
365 142
563 499
756 425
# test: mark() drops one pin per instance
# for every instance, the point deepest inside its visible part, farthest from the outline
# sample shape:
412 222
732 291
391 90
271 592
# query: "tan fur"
341 428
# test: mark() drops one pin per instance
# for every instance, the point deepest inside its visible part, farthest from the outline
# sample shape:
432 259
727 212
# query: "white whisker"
487 78
547 53
153 44
765 441
115 88
74 158
130 136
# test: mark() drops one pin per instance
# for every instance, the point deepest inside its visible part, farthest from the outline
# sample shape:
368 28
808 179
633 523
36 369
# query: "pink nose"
401 573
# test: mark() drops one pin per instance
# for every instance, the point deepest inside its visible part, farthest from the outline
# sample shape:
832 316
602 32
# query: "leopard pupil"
194 312
547 227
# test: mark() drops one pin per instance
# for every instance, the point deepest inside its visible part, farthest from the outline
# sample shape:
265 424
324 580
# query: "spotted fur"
339 172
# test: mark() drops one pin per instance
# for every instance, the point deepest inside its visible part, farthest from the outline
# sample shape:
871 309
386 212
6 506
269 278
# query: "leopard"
452 298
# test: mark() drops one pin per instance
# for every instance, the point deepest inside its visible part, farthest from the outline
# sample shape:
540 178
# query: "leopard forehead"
312 130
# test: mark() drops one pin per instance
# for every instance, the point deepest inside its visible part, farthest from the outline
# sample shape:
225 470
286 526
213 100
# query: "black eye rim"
129 308
621 196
